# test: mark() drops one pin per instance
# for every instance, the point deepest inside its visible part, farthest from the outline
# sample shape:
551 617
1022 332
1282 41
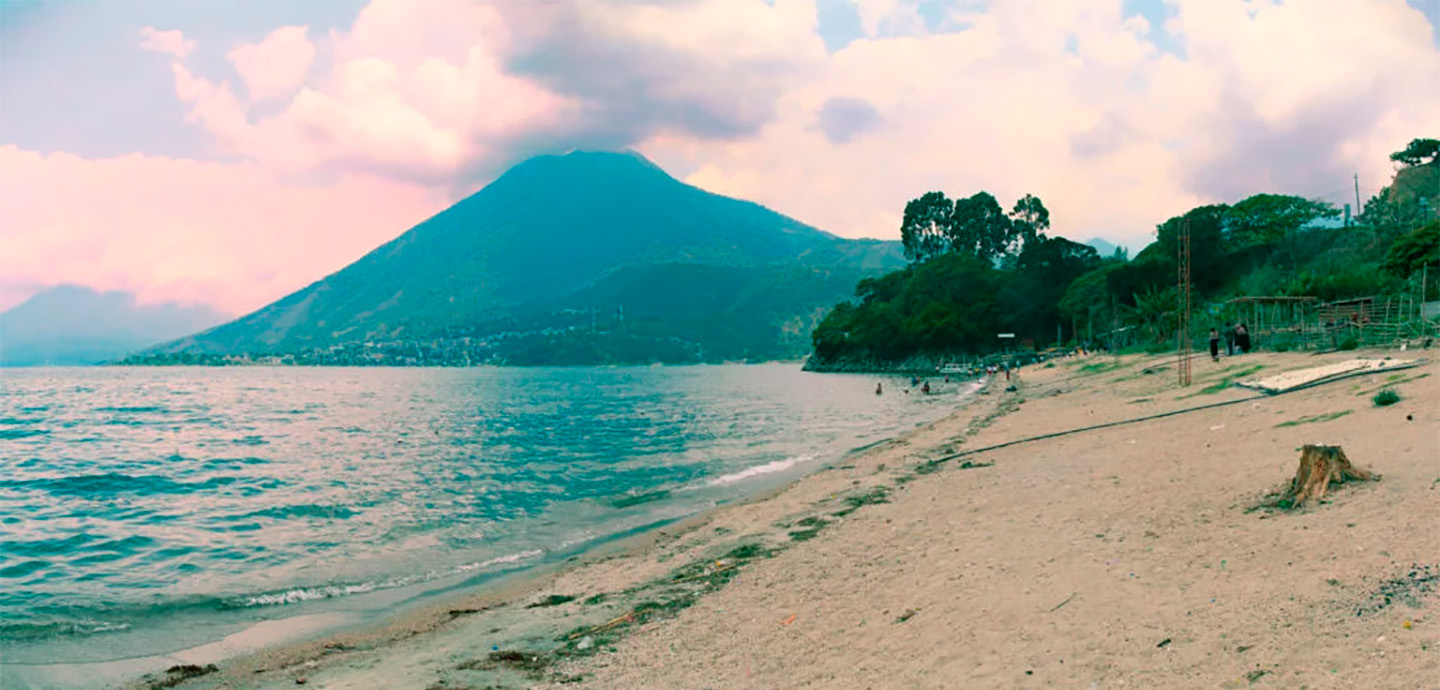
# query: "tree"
1414 249
1418 152
1088 294
1210 266
980 227
1267 218
1030 217
1044 269
925 230
1156 311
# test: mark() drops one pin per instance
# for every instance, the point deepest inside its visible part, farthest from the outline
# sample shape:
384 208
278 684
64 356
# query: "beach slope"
1099 527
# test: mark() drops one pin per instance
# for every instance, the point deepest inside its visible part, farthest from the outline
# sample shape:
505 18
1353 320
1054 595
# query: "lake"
146 510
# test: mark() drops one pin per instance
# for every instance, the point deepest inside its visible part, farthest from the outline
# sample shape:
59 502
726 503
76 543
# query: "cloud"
414 101
228 235
890 17
1114 134
277 65
842 119
436 92
169 42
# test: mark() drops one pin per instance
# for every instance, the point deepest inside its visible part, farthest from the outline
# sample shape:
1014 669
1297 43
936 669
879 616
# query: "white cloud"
1116 136
277 65
171 43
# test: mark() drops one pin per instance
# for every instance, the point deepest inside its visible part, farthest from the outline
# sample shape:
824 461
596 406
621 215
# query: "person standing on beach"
1229 340
1242 338
879 390
1214 344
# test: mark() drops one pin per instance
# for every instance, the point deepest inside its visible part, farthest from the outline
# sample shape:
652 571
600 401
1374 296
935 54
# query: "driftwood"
1321 466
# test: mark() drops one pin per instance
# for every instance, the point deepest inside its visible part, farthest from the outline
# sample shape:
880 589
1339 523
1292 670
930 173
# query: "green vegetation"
977 271
1235 374
810 526
1385 398
854 502
1314 419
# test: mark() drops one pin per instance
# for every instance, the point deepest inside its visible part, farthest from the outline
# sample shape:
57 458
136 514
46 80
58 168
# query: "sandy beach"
1138 555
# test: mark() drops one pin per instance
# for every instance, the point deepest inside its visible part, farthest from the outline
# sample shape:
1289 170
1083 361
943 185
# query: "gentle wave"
16 434
302 594
40 631
759 470
114 483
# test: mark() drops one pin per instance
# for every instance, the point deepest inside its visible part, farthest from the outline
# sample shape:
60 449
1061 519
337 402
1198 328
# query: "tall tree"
980 227
1419 247
925 229
1030 217
1418 152
1268 218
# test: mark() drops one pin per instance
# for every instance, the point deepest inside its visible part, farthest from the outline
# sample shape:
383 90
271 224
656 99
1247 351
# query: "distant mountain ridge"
558 240
76 325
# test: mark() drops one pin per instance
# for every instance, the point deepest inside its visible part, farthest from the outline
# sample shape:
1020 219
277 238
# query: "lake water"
145 510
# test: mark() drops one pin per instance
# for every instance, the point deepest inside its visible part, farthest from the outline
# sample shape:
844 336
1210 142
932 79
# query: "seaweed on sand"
552 600
176 675
854 502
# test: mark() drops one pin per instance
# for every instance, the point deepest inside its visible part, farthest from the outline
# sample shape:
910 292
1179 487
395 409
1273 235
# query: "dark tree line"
977 270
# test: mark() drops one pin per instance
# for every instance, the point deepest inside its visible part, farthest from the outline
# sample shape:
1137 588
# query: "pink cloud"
277 65
168 42
234 236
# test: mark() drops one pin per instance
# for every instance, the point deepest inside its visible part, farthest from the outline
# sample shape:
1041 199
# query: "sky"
228 153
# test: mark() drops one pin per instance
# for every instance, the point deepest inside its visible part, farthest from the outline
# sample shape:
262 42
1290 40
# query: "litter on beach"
1300 378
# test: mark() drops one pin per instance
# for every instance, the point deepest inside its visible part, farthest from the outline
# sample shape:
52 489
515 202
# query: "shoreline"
725 598
302 640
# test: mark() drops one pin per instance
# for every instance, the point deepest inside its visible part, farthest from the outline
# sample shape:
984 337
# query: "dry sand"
1129 556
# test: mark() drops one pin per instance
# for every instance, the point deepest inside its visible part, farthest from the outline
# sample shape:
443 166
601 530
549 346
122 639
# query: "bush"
1349 343
1385 397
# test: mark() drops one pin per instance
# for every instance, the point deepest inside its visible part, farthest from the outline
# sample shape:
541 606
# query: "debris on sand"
176 675
1406 588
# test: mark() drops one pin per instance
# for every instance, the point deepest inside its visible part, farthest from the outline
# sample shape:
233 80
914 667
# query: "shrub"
1349 343
1386 397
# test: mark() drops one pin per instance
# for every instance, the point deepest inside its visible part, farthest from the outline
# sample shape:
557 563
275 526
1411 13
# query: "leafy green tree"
1088 294
1030 217
980 227
1268 218
1414 249
1418 152
925 230
1156 311
1210 265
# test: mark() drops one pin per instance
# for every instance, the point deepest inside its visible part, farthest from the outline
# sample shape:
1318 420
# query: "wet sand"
1128 556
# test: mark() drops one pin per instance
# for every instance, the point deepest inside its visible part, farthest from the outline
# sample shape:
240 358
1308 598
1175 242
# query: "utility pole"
1358 208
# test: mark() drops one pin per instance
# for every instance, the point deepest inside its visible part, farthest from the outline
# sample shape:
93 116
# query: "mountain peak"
589 164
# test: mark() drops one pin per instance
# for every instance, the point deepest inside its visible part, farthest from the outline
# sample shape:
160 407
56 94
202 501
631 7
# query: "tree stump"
1321 466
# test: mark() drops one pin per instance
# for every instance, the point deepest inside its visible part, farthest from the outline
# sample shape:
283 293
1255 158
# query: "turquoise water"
148 509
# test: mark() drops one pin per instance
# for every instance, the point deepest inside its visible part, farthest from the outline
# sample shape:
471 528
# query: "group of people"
915 381
1237 340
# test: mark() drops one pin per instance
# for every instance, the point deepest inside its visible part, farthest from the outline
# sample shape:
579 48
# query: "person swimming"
925 388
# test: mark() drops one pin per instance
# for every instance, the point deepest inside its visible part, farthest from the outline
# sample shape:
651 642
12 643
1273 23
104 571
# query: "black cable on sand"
1172 413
